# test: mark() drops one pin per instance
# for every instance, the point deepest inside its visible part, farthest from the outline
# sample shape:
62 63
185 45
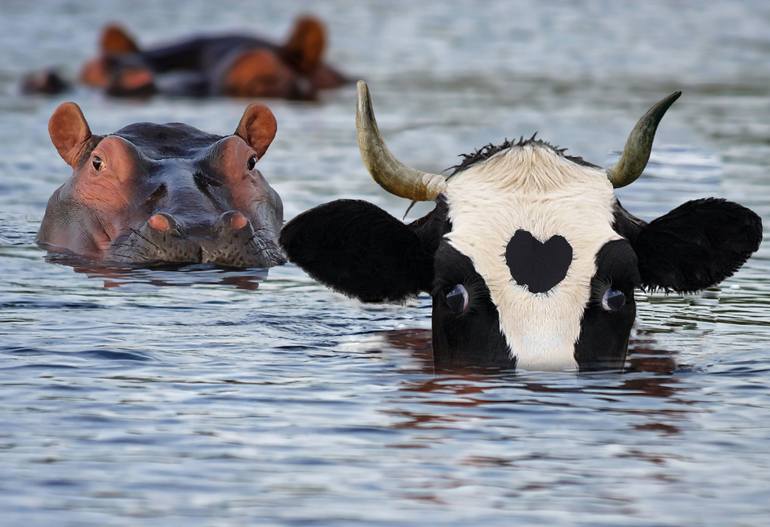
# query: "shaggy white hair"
534 188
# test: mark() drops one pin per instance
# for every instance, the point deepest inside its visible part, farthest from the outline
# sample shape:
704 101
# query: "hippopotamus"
235 65
164 193
45 82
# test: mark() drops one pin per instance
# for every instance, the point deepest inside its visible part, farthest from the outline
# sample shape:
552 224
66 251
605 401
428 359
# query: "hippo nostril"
234 219
238 221
161 222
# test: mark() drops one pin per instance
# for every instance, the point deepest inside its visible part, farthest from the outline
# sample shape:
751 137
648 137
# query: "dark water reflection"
207 396
163 275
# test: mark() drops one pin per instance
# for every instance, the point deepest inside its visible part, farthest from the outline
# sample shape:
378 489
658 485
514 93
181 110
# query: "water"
212 397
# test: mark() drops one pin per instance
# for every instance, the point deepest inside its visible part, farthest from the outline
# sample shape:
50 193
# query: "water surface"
214 397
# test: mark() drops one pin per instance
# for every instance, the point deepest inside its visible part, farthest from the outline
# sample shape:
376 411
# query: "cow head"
529 256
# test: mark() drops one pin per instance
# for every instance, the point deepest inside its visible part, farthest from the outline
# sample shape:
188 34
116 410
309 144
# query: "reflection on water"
649 373
530 422
208 396
163 275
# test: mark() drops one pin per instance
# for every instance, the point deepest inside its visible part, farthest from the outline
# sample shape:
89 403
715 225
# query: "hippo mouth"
231 242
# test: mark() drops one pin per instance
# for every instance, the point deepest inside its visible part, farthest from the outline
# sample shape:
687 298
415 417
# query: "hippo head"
119 68
164 193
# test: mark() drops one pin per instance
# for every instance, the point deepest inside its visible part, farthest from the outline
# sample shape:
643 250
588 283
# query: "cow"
529 256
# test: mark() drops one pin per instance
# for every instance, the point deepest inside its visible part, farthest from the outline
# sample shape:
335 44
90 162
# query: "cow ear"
696 245
359 250
257 127
69 132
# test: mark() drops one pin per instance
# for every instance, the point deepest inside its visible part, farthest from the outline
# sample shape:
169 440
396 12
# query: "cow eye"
457 299
613 300
252 162
97 163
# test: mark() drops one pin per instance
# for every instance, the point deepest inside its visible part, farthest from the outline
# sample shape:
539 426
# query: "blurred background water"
213 397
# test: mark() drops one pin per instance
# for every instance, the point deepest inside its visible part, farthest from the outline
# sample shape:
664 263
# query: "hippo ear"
69 132
257 127
306 44
696 245
116 41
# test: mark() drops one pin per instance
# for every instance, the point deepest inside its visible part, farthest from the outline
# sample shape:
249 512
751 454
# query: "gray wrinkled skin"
177 177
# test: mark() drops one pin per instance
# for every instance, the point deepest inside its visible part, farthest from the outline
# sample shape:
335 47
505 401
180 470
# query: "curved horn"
636 153
387 171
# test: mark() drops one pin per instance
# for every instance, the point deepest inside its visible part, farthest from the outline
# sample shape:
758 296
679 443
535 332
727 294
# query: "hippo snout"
151 193
230 240
239 243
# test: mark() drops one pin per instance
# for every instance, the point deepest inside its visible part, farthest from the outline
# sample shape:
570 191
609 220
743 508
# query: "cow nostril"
161 222
235 220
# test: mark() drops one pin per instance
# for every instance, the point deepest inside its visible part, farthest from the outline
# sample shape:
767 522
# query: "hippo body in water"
151 194
45 82
210 65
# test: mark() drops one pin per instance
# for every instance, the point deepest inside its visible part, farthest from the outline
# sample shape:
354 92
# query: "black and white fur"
537 191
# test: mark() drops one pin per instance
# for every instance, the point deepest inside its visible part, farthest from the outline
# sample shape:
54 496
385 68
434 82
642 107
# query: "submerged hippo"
209 65
45 82
164 193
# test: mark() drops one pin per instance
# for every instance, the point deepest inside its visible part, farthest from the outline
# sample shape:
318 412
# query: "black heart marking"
539 266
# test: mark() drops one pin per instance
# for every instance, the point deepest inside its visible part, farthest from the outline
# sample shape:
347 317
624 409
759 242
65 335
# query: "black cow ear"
359 250
696 245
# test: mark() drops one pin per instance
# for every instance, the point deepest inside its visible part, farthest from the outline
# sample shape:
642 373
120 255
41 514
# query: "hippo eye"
97 163
457 299
613 300
252 162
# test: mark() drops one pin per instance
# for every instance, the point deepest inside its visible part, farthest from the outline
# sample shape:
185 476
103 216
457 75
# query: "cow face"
535 254
529 257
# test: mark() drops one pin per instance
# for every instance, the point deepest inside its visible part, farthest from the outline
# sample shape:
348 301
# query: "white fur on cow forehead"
534 188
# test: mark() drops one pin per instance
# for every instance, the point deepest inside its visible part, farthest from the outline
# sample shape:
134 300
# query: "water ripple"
205 396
